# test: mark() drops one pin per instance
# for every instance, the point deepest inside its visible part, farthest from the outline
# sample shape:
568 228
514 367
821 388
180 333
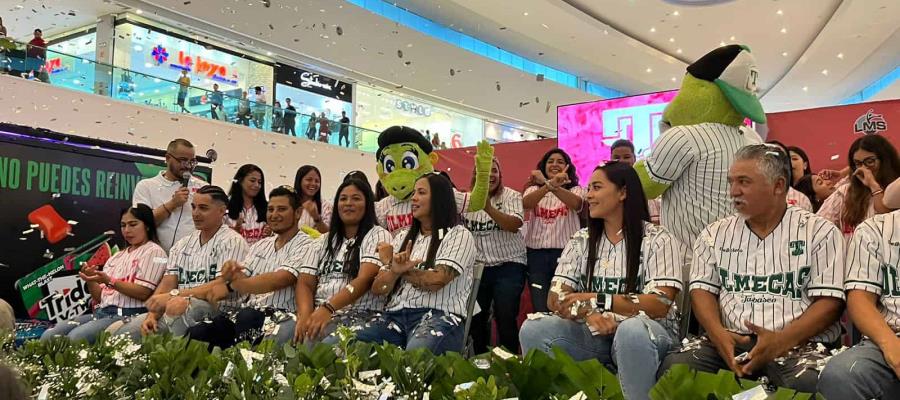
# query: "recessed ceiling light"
675 13
779 12
671 40
840 55
649 70
784 54
674 79
783 30
652 29
525 13
824 72
805 88
731 38
678 51
268 53
139 11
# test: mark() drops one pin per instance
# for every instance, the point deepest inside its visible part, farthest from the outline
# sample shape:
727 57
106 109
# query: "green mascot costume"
689 163
404 155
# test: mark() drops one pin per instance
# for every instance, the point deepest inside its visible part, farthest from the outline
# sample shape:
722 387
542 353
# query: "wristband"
166 208
329 307
112 283
604 302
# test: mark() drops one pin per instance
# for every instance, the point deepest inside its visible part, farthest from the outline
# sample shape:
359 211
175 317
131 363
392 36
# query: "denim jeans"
635 350
541 267
413 328
197 311
859 373
89 326
498 294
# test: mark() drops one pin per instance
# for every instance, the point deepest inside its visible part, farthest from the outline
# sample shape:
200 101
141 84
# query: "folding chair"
470 309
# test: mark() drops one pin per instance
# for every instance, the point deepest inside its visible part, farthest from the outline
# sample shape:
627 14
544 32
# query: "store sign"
200 66
870 123
423 110
55 65
313 82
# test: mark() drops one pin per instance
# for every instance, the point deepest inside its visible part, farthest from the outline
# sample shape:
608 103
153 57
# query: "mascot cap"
733 69
403 134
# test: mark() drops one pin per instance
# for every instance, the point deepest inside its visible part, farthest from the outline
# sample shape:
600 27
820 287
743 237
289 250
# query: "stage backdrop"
61 205
827 133
517 160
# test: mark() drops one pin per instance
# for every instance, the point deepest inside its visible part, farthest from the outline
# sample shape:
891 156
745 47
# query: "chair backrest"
471 301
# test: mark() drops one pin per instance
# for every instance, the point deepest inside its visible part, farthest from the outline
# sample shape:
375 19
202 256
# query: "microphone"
185 179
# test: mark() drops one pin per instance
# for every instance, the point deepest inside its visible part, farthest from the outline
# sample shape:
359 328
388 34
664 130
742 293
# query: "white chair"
470 308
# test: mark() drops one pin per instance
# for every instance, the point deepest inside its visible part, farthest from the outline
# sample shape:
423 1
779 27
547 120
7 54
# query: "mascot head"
719 87
404 155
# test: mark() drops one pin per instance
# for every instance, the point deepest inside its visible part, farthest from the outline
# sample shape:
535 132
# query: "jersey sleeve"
671 155
581 192
704 265
298 254
457 250
664 260
310 263
865 256
512 204
826 263
571 266
462 200
368 251
804 203
831 209
141 194
151 268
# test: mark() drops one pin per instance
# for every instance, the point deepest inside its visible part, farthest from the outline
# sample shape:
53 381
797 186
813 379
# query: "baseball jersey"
798 199
770 281
157 190
654 206
873 258
195 264
457 251
661 258
496 246
552 222
264 258
251 229
834 205
395 215
331 274
306 219
142 266
695 160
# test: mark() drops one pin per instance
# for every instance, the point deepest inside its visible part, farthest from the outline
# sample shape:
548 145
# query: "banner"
61 204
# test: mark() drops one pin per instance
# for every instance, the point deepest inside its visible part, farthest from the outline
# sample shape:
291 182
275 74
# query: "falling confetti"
339 30
540 77
498 86
452 72
400 53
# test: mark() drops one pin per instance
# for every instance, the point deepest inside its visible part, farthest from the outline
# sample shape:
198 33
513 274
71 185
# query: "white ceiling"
22 17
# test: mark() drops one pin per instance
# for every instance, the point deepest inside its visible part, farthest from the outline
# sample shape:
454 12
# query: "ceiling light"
824 72
840 55
139 11
525 13
671 40
268 53
674 79
783 30
675 13
605 32
678 51
721 43
649 70
805 88
784 54
652 29
731 38
779 12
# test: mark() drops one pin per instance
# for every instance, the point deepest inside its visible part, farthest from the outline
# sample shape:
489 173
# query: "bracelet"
329 307
166 208
111 284
877 192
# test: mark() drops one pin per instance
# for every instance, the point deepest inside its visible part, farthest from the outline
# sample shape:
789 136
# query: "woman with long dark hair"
613 293
316 212
874 164
247 203
501 248
794 196
554 200
427 275
120 287
799 164
336 276
816 189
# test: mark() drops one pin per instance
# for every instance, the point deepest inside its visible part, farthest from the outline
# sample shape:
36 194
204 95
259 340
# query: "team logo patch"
797 247
870 123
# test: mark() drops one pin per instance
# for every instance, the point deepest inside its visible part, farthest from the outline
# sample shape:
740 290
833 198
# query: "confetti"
503 354
536 286
498 86
540 77
72 222
28 231
339 30
400 53
834 157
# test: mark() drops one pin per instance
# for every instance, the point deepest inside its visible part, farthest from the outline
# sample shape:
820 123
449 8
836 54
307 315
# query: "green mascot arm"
652 189
484 158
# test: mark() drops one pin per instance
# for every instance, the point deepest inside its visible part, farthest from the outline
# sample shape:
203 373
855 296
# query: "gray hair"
772 161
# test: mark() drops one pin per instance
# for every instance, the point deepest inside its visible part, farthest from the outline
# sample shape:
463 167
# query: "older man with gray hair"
767 282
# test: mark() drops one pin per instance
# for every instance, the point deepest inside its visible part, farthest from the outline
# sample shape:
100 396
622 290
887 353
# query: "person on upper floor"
247 204
554 201
316 212
37 47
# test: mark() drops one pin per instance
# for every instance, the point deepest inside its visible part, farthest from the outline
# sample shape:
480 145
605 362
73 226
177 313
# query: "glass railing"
80 74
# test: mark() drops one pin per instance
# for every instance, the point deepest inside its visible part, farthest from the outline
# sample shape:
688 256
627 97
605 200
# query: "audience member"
259 108
247 204
216 99
316 212
277 118
324 128
345 129
184 84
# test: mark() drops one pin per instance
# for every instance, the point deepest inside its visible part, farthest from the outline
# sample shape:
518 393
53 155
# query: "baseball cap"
733 69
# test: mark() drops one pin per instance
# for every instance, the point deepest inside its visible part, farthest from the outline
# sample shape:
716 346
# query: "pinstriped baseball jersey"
770 281
331 273
264 258
872 262
325 214
456 251
496 246
143 266
251 229
798 199
552 222
396 215
695 160
195 264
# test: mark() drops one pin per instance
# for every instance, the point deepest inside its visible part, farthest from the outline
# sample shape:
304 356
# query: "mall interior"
102 99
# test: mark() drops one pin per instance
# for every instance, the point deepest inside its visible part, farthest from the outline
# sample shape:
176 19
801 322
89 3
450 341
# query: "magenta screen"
586 130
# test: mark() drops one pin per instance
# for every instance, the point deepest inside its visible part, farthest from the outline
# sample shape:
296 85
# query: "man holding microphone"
169 192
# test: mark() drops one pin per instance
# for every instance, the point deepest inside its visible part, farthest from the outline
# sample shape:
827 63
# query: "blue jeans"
641 342
197 311
541 267
859 373
89 326
498 294
413 328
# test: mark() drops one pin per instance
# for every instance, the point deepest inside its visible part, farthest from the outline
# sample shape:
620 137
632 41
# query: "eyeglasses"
192 162
868 161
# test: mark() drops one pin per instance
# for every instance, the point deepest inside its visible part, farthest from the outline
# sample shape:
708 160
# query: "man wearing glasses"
168 193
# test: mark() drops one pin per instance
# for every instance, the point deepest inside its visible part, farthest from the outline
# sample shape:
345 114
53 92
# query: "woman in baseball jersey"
554 200
427 275
612 296
337 274
120 287
501 249
316 213
247 204
874 165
